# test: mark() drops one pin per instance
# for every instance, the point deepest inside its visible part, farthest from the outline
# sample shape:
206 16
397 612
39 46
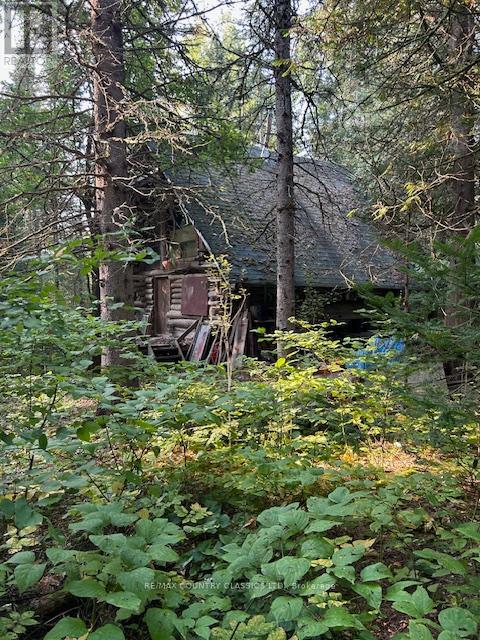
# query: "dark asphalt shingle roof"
235 213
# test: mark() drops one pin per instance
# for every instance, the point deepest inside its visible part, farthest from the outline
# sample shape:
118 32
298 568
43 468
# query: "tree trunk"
462 183
285 209
112 214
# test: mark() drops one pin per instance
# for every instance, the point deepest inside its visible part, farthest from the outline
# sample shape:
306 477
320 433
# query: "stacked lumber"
198 337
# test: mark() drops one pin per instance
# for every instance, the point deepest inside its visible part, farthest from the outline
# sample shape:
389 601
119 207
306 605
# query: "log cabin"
218 213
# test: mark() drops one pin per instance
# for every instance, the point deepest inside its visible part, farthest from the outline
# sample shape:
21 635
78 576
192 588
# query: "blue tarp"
392 348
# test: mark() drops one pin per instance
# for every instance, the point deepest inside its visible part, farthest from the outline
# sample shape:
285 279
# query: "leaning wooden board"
200 342
240 337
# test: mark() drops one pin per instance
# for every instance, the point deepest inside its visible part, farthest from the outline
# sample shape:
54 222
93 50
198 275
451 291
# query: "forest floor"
168 514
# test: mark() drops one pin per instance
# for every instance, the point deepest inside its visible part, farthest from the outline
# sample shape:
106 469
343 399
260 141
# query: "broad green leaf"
285 608
319 526
372 593
312 629
345 573
321 584
318 506
7 507
122 519
397 590
418 605
452 564
407 606
444 560
418 631
202 626
259 552
84 433
287 569
162 553
92 524
159 531
67 628
135 558
326 508
25 516
26 575
88 588
56 556
22 557
160 623
341 495
422 601
112 543
342 618
107 632
316 547
262 586
470 530
459 621
124 600
271 516
347 555
294 519
377 571
135 580
412 518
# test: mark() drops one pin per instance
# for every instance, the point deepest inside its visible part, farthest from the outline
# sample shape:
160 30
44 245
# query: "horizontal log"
185 323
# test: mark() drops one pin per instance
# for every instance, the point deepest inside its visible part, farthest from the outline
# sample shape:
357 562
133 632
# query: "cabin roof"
234 211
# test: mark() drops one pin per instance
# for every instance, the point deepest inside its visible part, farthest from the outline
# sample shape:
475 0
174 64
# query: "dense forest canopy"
196 444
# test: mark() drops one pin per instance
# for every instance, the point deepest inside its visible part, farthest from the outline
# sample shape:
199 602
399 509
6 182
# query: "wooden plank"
240 338
197 329
184 323
161 304
252 344
188 330
214 351
195 295
179 349
200 342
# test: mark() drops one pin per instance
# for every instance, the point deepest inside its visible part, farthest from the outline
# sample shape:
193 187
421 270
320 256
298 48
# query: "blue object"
392 348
